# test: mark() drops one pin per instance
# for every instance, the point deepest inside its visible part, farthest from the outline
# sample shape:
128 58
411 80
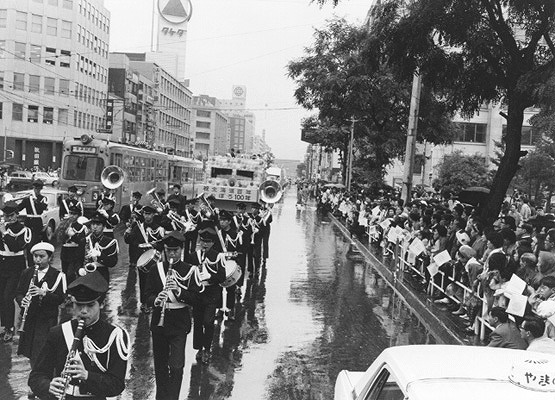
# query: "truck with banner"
232 180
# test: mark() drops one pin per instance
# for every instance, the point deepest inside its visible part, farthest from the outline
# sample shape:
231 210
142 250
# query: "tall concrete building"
170 21
211 126
242 121
130 108
53 76
172 105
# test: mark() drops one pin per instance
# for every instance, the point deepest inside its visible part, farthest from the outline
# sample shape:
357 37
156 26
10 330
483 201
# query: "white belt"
174 306
7 253
70 245
108 229
74 391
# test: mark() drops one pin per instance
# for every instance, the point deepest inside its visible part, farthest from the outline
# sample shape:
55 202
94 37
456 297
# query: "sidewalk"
449 328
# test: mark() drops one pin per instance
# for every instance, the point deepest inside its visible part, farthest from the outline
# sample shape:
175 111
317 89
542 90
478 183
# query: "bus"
84 159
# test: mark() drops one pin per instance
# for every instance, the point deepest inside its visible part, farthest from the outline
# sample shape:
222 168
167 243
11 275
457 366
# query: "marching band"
192 260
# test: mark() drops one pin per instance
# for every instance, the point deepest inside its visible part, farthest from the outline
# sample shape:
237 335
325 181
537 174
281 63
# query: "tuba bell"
112 177
270 191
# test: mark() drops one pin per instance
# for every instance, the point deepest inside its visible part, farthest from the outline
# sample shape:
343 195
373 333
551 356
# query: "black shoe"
206 357
8 335
199 355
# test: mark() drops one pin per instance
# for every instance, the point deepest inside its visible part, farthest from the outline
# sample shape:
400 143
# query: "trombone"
156 202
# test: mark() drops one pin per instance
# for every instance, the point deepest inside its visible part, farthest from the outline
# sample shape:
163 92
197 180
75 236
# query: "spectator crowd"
499 279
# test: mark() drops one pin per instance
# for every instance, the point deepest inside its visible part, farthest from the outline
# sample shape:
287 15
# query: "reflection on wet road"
314 310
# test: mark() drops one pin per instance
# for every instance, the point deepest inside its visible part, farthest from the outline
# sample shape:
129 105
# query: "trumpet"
255 229
28 298
156 202
182 223
169 275
71 355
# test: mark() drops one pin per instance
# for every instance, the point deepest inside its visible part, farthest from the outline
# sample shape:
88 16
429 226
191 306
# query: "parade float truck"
233 180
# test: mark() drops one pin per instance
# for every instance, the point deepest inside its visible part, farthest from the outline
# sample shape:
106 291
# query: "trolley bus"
84 159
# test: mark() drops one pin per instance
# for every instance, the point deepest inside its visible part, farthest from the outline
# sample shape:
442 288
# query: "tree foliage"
536 176
345 74
474 52
458 171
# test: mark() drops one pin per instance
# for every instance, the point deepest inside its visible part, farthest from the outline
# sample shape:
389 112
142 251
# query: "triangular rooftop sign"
175 8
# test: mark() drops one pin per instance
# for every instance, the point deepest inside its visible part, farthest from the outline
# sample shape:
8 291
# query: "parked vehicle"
438 372
19 180
47 178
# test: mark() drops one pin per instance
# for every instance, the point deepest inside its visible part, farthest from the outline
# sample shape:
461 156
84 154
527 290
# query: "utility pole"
5 143
411 137
350 159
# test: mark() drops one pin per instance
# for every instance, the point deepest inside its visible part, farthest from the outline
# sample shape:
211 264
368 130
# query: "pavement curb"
435 324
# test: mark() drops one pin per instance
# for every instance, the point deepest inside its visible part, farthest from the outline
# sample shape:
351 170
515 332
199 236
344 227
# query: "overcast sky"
242 42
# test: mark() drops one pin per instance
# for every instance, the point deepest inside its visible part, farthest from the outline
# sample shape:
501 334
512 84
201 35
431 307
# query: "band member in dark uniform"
267 219
73 243
101 249
193 216
171 321
98 367
39 300
168 219
140 237
256 239
15 237
34 206
242 223
70 201
129 212
112 219
210 272
233 243
178 196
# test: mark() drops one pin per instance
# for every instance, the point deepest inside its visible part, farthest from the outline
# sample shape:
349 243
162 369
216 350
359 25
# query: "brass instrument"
255 229
90 254
270 191
169 275
71 355
156 202
112 177
28 297
183 224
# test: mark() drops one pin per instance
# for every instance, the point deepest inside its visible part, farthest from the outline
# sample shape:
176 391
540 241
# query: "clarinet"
28 297
71 355
163 305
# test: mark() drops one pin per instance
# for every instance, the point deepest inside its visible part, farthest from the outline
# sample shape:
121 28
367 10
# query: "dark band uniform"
168 342
242 224
233 243
72 254
112 218
34 206
42 312
68 203
256 244
106 246
12 263
265 230
207 296
193 216
104 350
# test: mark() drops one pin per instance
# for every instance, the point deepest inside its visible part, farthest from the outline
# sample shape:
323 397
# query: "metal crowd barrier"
399 254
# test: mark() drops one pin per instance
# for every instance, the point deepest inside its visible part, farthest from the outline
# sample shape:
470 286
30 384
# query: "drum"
232 273
147 260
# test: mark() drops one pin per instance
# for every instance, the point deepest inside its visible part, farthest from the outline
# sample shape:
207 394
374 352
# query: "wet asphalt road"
316 309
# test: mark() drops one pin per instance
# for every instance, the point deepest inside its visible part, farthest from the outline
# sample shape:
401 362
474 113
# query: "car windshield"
82 168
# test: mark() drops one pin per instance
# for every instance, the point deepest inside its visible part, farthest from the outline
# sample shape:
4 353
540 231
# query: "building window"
530 135
65 59
21 20
50 56
20 50
36 23
64 87
68 4
49 85
35 53
33 114
202 124
1 80
48 115
203 113
17 112
471 132
0 110
18 81
53 2
3 18
34 83
62 116
52 26
66 29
